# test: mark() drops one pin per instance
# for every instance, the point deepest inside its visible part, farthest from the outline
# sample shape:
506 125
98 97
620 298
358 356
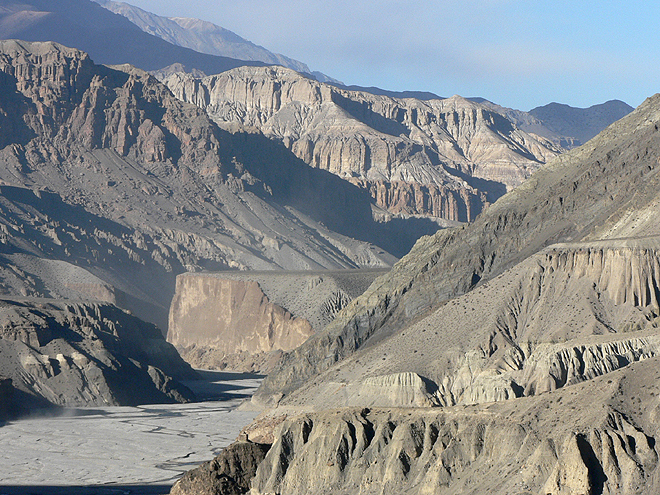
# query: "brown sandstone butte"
229 316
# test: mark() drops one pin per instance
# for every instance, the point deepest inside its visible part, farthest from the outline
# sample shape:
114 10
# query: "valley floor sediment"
136 450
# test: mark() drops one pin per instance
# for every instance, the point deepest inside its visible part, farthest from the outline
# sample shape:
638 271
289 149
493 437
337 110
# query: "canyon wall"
241 320
459 153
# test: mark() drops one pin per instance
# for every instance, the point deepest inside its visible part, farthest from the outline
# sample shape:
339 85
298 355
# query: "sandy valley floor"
123 449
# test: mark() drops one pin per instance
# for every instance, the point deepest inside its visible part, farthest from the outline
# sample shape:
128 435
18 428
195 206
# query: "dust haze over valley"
209 249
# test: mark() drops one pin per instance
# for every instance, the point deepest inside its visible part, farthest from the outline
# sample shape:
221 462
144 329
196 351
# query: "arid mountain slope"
107 37
121 182
607 189
443 158
596 437
201 36
580 123
566 126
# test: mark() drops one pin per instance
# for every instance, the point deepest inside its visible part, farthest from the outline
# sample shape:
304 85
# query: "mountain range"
516 353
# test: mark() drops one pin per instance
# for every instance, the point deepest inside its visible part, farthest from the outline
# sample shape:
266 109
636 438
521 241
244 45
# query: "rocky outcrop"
438 146
592 438
69 353
573 198
230 473
211 319
238 320
525 337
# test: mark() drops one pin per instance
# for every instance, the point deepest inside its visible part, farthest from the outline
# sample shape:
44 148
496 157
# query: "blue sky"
518 53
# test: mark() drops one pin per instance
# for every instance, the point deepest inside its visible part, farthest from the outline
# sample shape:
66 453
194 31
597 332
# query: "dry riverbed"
123 450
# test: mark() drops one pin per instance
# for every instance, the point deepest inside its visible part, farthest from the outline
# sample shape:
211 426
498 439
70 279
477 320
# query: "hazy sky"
518 53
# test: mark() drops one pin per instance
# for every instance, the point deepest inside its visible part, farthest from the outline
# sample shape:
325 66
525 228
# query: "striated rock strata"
240 320
107 179
598 437
454 150
605 190
513 336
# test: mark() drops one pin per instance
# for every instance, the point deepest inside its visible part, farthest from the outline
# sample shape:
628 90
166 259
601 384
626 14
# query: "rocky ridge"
458 155
606 443
111 181
201 36
603 190
107 37
242 321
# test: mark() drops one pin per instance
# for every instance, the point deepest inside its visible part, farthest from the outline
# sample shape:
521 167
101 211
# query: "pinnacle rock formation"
443 158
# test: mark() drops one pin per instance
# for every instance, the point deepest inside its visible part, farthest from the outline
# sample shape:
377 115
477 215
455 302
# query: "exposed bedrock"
71 353
411 198
240 320
230 473
573 198
452 147
596 438
519 334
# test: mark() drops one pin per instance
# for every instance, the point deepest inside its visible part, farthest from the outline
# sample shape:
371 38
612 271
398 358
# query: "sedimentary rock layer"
605 190
598 437
237 320
437 147
115 182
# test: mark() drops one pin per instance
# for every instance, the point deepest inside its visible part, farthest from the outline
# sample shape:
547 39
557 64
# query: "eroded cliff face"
425 152
69 353
604 190
110 181
241 320
517 335
213 320
592 438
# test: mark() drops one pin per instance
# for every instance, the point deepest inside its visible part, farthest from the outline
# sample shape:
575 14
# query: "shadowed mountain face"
110 180
201 36
75 353
107 37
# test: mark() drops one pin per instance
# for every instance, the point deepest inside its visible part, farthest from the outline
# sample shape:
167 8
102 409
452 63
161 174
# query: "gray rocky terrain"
244 320
599 193
111 187
518 354
443 158
82 353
